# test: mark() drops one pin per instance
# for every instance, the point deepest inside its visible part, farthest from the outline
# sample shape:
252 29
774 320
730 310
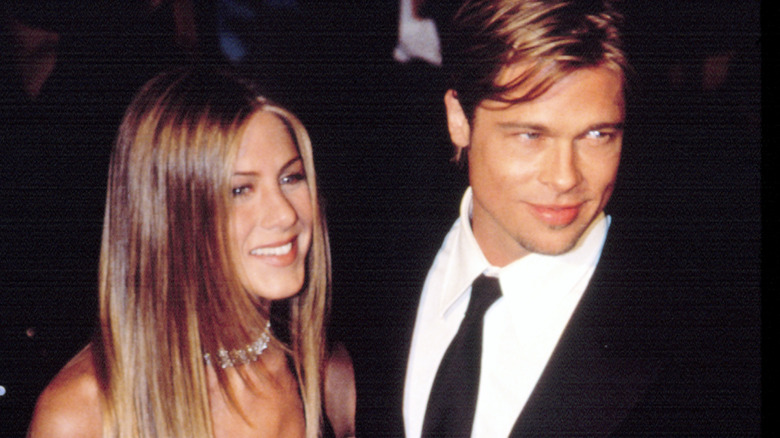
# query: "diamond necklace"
241 356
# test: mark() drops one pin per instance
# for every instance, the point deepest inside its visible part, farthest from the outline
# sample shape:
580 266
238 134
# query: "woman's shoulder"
70 404
340 394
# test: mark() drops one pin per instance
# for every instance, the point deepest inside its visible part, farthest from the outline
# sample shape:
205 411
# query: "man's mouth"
557 215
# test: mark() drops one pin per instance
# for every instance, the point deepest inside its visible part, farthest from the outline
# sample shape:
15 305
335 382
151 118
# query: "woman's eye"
240 190
293 178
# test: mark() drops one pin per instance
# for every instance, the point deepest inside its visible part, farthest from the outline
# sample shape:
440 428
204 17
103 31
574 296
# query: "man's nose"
560 169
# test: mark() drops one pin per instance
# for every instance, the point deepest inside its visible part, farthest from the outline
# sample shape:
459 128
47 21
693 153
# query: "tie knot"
484 292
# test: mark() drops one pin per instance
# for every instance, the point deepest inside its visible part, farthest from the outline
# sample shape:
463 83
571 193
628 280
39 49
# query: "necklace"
241 356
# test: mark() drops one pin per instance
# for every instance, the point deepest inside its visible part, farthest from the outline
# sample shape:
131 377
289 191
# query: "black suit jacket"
609 355
639 356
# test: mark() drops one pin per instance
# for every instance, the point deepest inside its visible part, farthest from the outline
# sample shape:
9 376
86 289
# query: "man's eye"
530 135
599 135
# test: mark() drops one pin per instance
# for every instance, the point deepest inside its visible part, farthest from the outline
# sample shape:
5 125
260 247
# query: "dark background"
690 170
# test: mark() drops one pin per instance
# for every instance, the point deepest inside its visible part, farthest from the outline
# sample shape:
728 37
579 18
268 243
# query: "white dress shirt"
521 329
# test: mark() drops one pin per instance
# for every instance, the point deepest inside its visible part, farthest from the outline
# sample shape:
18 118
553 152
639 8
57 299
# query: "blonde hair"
552 37
168 286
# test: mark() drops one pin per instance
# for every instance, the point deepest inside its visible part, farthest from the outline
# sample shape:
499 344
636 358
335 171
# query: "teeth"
275 251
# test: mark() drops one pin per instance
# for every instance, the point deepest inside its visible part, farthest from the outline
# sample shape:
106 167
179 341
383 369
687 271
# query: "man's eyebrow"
617 126
520 125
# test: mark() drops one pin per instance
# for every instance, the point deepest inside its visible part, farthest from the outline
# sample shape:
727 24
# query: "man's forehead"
511 72
525 77
590 94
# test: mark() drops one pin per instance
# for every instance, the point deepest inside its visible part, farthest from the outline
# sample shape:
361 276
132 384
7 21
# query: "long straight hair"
169 290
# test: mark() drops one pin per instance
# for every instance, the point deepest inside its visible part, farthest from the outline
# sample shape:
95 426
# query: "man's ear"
457 123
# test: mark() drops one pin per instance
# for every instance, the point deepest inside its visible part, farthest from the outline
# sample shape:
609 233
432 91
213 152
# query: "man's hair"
553 37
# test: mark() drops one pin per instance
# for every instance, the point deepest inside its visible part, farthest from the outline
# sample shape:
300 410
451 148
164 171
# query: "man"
584 324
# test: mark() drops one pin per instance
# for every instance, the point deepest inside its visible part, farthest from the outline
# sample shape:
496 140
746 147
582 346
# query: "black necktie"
450 411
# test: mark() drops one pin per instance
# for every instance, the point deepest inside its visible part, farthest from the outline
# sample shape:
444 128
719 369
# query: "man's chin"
551 248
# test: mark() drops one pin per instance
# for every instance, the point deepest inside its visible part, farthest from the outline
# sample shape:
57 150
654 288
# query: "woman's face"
271 212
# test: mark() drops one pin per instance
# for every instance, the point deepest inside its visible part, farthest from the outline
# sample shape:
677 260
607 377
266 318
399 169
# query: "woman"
212 215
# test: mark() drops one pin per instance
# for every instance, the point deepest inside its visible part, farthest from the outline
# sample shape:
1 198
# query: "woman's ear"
457 123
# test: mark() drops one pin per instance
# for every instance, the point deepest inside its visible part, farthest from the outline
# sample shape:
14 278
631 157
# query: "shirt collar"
468 261
557 274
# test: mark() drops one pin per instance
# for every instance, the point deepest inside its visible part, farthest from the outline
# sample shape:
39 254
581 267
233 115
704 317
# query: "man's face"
541 171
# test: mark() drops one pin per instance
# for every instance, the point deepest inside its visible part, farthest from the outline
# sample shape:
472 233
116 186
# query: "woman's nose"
277 211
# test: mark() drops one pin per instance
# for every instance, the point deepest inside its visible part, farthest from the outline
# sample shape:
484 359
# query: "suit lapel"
598 370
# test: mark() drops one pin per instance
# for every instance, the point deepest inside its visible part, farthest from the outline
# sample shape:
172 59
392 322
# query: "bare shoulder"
339 365
70 404
340 394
